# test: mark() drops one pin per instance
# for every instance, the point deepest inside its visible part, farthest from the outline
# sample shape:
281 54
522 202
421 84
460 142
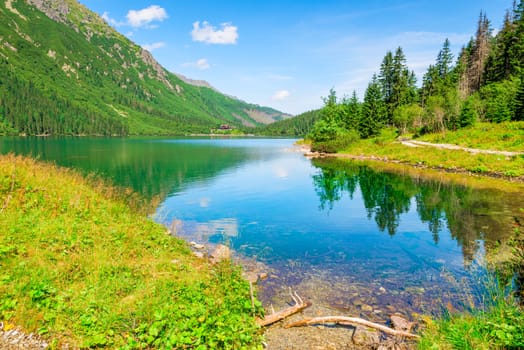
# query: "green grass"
499 321
80 267
500 325
387 147
508 136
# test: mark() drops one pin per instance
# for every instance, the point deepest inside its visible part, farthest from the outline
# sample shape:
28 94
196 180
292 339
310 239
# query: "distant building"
225 127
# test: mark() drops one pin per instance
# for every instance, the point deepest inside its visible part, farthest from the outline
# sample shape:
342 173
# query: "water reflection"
150 166
470 215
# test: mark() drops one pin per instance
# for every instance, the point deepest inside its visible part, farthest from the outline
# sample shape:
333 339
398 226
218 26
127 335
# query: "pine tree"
519 100
403 83
500 63
444 60
479 54
373 110
386 76
351 112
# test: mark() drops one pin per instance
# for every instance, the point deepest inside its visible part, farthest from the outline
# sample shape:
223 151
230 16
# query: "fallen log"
351 321
280 315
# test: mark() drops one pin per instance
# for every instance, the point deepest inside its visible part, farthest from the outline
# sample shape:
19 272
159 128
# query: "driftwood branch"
351 321
280 315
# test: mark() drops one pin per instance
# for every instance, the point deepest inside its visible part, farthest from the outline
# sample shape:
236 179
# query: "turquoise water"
340 232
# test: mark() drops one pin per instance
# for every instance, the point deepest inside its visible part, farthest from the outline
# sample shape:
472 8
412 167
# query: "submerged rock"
199 255
196 245
400 323
220 253
365 336
366 307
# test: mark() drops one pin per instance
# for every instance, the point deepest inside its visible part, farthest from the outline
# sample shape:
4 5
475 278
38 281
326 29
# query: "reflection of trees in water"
469 214
385 197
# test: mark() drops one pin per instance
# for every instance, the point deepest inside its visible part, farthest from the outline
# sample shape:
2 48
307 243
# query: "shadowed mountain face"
64 70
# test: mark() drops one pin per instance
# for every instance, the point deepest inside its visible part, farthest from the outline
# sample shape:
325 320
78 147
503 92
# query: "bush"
339 143
325 131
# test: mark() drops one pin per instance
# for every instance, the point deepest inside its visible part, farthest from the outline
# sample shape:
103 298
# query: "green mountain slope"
300 125
63 70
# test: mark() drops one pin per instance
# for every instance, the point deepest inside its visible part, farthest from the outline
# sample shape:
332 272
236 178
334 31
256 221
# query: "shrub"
343 140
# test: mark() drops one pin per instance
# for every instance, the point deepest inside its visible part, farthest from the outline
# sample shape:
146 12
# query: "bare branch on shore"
351 321
280 315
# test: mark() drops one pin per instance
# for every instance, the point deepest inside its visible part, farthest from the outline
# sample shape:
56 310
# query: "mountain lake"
355 238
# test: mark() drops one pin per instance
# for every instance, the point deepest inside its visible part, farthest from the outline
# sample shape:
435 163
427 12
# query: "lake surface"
355 239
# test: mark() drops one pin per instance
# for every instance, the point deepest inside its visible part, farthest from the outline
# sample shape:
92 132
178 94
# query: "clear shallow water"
350 237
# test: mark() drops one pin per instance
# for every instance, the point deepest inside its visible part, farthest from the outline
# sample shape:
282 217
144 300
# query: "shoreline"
306 150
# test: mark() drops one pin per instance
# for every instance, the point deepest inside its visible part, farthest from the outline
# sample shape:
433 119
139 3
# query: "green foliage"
324 130
79 266
405 116
499 100
519 100
468 114
300 125
340 141
500 325
374 112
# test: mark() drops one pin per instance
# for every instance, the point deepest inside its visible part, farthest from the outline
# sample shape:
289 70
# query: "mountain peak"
72 73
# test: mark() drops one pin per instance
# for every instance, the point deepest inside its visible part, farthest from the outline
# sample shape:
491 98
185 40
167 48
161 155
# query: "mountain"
64 70
300 125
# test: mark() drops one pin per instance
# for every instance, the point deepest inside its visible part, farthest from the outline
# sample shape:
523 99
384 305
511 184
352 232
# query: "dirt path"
413 143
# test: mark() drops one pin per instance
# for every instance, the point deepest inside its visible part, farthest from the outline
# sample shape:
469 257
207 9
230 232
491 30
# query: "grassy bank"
507 137
80 267
499 322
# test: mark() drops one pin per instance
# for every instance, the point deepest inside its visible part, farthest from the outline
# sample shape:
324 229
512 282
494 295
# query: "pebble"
199 255
220 253
16 339
197 245
366 307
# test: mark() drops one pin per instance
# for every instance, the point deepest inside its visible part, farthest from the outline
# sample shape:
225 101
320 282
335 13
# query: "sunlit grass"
497 324
386 146
80 266
508 136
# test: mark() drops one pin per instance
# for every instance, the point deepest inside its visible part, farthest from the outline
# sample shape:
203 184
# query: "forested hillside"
485 83
63 70
296 126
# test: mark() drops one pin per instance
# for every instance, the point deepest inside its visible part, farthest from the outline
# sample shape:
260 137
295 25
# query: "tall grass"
496 323
79 266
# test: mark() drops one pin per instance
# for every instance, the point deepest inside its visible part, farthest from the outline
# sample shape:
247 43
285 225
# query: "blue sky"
287 54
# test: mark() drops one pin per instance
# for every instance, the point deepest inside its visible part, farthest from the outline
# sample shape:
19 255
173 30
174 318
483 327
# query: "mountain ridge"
87 78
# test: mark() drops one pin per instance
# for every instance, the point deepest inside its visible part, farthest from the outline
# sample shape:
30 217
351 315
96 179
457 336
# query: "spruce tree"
351 111
519 100
373 110
444 60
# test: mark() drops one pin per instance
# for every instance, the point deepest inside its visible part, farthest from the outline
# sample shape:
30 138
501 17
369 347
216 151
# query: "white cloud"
204 202
280 95
141 18
154 46
111 21
210 35
201 64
